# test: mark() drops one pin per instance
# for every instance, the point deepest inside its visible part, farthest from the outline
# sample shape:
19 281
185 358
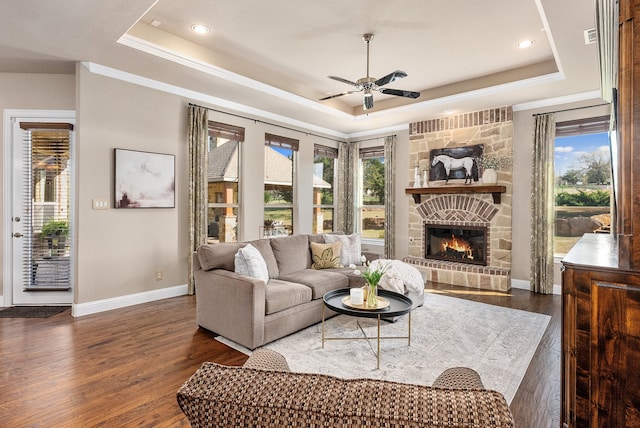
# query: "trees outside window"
371 193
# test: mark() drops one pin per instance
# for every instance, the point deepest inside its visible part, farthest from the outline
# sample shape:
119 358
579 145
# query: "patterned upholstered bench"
263 393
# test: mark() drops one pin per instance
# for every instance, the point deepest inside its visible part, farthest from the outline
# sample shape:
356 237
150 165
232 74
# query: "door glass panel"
47 199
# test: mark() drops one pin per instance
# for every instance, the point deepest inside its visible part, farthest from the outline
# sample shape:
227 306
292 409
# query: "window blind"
46 200
372 152
222 130
326 152
280 141
590 125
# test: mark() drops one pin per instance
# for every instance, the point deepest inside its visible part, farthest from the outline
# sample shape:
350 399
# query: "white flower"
357 272
352 266
363 258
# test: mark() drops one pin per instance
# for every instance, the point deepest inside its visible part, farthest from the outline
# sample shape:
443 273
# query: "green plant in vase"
372 275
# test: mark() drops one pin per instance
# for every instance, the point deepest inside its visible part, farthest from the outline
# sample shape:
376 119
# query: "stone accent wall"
493 128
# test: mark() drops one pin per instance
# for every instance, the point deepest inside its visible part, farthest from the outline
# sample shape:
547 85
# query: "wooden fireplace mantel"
496 191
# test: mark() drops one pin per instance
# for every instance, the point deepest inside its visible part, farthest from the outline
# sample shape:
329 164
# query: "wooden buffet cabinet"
600 337
601 274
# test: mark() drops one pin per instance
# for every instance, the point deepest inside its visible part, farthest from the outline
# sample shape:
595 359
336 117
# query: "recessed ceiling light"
525 44
155 23
200 29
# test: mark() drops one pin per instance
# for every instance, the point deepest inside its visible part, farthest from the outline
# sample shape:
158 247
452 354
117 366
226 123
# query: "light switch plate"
100 204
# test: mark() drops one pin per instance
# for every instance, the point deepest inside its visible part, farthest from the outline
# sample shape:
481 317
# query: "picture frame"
143 179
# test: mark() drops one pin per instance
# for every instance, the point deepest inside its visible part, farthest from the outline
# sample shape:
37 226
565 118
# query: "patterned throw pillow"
325 256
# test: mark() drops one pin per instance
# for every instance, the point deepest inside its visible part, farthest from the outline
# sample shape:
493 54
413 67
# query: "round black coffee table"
398 305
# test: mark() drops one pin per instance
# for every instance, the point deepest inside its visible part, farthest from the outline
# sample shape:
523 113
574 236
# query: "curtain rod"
571 109
374 138
268 123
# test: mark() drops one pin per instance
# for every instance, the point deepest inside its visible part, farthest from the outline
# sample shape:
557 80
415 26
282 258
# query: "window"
279 179
223 171
371 193
582 163
324 179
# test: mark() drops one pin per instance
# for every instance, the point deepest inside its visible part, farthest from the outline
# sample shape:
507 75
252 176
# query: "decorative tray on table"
382 304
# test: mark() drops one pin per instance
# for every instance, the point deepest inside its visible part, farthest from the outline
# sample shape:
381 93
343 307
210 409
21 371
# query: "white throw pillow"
249 262
351 251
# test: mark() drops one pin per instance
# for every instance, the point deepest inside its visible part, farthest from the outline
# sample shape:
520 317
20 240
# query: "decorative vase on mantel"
416 178
489 177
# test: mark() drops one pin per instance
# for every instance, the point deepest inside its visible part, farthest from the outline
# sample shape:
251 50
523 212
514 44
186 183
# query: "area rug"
446 332
31 311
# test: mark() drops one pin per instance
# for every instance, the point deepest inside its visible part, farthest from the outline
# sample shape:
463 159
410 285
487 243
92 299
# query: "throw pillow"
249 262
351 251
325 256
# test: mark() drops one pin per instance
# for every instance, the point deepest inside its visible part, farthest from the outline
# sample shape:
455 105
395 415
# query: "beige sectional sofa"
264 393
253 312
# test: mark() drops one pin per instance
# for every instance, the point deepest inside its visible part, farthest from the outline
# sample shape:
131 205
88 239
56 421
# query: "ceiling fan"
369 84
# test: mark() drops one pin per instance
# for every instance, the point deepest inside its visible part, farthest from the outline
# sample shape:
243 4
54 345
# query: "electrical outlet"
159 275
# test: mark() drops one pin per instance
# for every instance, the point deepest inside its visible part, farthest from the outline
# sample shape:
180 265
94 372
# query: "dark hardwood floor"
123 367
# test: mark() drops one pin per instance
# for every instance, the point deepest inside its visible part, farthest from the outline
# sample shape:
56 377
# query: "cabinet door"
615 355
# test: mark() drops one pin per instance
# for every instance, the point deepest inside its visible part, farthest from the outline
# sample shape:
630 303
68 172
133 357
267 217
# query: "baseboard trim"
526 285
81 309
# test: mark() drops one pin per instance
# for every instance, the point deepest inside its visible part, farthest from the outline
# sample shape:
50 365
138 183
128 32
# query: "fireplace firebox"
464 244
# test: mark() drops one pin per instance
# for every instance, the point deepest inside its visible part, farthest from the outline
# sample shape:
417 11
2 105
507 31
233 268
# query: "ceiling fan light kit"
369 84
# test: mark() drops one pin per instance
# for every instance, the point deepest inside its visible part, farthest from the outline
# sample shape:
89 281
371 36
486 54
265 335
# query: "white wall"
119 250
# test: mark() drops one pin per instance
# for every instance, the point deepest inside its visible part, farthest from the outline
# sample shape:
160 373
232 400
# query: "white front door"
39 216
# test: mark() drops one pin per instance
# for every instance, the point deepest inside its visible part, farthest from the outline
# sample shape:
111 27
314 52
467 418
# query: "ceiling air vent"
589 36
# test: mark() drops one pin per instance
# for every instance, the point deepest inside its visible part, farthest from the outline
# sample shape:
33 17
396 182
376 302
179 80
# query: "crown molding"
204 98
551 102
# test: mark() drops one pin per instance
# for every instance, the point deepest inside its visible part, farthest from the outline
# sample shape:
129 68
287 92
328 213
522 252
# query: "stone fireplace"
462 236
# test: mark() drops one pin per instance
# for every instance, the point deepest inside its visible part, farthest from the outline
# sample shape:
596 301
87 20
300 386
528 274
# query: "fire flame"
458 245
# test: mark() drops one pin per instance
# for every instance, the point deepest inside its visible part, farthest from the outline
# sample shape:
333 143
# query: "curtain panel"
198 159
347 172
542 204
607 36
389 197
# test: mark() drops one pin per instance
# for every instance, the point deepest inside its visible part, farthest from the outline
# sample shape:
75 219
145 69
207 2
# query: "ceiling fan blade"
400 93
390 77
338 95
348 82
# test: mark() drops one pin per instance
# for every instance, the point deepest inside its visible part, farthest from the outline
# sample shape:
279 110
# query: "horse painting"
449 163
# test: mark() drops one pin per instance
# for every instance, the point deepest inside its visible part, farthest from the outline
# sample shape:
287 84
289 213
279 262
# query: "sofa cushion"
320 281
325 256
351 252
292 253
354 279
249 262
281 295
317 238
218 256
264 246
